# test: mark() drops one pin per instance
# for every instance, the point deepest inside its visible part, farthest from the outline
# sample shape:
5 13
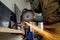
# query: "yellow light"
43 33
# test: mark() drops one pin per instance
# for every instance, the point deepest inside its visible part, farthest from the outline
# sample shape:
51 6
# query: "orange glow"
43 33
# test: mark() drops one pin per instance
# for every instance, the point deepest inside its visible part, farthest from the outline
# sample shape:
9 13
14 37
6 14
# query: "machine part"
13 17
5 23
38 17
17 26
29 36
18 13
33 23
40 24
39 37
34 3
5 13
36 6
30 27
27 15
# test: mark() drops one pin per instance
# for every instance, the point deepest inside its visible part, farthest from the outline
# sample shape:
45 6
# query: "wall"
20 3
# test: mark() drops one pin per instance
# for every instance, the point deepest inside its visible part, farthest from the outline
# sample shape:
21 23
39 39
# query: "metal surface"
4 15
34 3
28 16
38 17
18 13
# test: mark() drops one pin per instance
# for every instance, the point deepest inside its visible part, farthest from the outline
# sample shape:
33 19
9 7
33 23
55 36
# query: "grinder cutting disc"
27 16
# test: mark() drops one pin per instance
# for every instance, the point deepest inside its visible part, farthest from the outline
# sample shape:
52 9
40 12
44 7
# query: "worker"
50 9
